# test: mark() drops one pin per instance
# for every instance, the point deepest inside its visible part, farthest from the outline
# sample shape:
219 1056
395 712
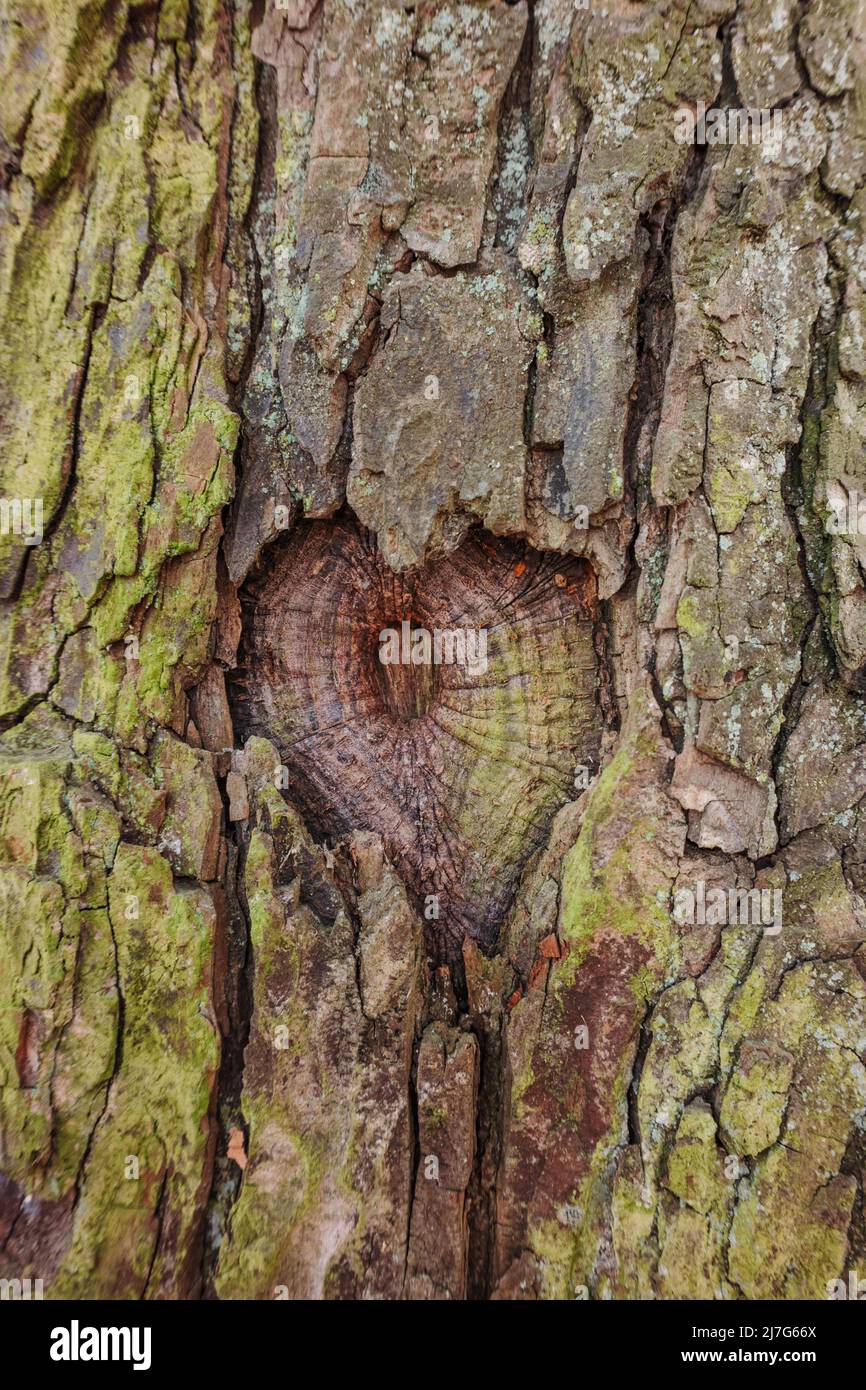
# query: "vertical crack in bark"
239 964
237 984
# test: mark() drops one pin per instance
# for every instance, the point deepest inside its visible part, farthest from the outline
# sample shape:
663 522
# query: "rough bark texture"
320 979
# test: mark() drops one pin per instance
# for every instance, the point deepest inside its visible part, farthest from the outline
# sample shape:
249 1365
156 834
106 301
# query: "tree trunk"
433 649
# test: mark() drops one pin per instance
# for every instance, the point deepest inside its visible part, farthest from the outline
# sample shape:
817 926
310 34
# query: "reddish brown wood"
460 773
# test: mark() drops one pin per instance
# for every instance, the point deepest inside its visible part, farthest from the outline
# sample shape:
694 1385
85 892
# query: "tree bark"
538 973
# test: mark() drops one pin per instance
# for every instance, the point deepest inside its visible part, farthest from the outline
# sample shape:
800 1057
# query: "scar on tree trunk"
459 769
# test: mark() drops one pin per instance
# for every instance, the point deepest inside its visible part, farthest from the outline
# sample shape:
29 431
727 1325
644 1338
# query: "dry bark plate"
459 770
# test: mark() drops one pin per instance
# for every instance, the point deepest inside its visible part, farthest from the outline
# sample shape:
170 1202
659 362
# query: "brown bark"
324 976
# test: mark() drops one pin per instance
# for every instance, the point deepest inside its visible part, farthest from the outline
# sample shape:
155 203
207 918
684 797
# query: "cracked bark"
327 980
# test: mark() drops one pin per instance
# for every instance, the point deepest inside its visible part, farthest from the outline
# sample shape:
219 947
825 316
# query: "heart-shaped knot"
446 709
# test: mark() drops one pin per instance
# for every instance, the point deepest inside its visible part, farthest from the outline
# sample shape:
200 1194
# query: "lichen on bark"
321 979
